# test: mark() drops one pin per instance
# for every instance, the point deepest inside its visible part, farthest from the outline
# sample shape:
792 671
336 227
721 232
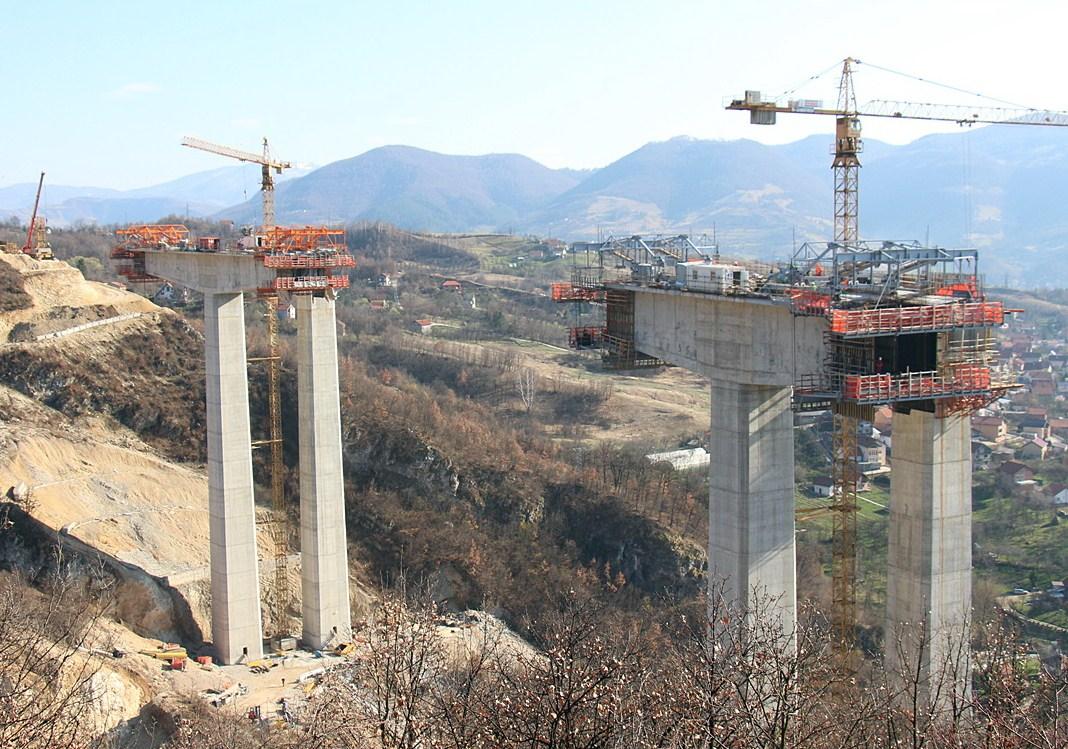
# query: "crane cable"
959 90
837 66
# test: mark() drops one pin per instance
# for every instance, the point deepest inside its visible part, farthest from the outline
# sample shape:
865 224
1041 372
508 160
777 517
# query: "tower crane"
279 526
267 164
846 165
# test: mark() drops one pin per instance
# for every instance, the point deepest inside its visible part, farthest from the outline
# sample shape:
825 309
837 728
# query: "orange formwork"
890 320
886 388
565 292
310 283
585 337
309 261
305 239
153 235
810 302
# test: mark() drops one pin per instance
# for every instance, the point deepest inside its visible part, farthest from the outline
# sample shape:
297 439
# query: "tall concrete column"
929 576
235 587
751 501
324 553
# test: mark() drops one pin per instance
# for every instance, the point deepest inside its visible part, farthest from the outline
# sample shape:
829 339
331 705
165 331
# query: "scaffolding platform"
850 323
282 260
305 257
586 337
566 292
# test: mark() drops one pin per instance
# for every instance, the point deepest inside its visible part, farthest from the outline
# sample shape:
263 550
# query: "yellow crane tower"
269 167
279 526
846 165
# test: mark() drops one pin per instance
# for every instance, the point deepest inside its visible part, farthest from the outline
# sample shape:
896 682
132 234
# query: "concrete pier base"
235 587
751 501
929 587
325 576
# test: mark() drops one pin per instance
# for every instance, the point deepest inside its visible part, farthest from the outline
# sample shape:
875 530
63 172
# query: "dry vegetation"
13 295
150 379
600 680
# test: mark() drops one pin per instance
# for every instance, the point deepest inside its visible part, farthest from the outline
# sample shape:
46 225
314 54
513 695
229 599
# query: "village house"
452 285
981 454
1034 449
1031 368
1043 384
1057 446
1056 494
1035 426
823 486
990 428
871 451
1012 473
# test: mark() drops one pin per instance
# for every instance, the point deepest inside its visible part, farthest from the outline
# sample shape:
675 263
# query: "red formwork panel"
891 320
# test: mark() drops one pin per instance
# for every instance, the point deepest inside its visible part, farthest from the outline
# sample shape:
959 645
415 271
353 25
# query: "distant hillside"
746 189
996 188
419 189
200 194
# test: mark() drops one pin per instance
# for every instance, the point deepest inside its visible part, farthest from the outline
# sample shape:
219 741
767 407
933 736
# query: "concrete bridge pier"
929 576
751 500
324 552
235 587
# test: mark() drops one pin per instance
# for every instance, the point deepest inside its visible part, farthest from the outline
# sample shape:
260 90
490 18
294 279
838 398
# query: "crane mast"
269 167
844 471
28 247
847 147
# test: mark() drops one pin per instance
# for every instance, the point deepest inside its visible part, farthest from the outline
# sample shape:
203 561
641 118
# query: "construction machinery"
36 244
269 167
846 165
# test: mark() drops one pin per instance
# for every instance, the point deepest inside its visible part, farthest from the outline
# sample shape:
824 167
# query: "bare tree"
49 659
526 383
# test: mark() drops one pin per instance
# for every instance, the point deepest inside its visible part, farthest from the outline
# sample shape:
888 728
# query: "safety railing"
566 292
585 337
808 302
309 261
891 320
310 283
887 388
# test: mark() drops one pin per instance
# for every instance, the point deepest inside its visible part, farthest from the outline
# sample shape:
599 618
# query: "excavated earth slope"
73 410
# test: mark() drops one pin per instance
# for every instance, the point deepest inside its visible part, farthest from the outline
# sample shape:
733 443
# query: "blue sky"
99 93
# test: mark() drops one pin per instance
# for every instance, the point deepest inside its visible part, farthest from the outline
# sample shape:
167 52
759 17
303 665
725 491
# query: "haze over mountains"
999 189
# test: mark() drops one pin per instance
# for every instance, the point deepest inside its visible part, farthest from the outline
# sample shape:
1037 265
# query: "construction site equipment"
36 245
269 166
596 264
586 337
279 523
167 653
950 388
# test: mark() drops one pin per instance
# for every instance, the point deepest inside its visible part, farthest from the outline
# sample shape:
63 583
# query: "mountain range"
996 188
